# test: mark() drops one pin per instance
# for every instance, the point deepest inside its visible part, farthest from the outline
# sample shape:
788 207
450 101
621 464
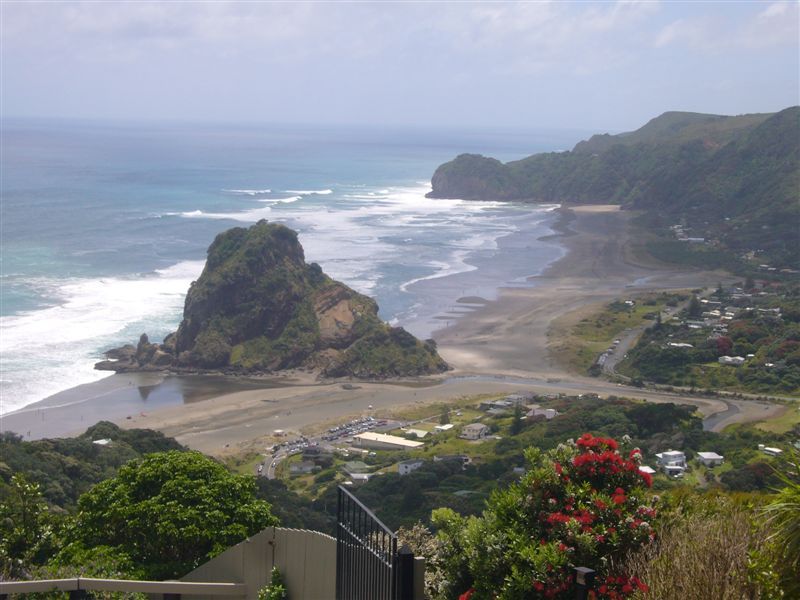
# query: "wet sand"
494 346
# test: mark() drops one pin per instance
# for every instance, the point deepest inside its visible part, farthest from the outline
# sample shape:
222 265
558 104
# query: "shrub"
711 549
581 504
276 590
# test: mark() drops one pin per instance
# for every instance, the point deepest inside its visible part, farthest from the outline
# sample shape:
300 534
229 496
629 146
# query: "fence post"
405 574
584 580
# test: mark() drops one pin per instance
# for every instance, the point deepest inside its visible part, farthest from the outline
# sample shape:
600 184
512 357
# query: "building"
672 462
474 431
770 451
496 404
382 441
407 466
517 399
734 361
301 468
445 427
537 411
460 458
418 433
648 470
672 457
710 459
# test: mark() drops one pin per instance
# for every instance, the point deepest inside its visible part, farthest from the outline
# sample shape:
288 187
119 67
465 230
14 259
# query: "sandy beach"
493 346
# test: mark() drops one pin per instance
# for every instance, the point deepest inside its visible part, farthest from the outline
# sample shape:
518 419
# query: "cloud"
776 25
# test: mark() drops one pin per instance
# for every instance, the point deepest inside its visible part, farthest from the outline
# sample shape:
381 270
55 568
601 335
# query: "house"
770 451
382 441
517 399
672 462
733 361
445 427
302 468
496 404
102 442
407 466
537 411
461 458
418 433
360 478
497 412
672 457
710 459
474 431
648 470
355 467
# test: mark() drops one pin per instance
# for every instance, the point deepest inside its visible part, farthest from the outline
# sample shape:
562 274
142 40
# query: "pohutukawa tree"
582 504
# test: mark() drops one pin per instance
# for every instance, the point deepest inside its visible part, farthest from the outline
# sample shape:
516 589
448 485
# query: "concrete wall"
306 560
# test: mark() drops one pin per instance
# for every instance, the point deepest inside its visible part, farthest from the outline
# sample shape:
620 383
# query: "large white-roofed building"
382 441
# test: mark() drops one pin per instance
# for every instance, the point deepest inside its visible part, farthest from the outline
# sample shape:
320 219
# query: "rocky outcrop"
259 307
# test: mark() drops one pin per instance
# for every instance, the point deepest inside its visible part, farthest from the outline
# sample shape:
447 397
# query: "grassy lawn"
244 464
577 339
784 422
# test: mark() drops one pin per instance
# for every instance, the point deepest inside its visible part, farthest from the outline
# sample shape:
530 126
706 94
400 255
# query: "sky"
599 66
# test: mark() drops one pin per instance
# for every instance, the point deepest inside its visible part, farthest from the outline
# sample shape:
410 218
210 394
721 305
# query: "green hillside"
733 180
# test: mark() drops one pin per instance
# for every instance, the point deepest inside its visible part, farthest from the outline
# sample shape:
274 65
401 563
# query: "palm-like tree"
783 517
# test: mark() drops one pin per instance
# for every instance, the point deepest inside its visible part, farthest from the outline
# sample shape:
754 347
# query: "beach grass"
578 338
784 422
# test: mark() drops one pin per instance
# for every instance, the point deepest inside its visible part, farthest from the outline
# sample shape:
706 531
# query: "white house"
407 466
770 451
734 361
672 462
445 427
672 457
648 470
710 459
474 431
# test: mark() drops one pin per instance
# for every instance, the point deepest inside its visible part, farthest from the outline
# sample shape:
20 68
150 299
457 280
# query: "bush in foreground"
169 512
582 504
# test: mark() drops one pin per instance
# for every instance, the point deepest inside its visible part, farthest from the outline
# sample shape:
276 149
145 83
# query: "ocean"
105 225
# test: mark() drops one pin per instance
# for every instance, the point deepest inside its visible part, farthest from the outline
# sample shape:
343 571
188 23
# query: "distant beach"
104 232
496 346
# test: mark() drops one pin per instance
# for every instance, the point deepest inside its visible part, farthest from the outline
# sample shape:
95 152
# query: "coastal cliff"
732 179
259 307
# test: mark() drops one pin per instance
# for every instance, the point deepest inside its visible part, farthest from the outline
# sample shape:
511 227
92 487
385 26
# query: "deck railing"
78 586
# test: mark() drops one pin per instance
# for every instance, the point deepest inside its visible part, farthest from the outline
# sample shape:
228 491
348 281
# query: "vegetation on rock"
259 307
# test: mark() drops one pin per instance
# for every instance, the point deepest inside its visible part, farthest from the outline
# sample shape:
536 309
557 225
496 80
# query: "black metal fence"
369 564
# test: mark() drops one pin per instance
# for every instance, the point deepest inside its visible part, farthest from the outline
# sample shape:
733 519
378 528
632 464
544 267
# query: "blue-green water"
105 225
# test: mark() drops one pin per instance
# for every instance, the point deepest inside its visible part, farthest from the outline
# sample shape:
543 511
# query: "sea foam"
248 192
324 192
51 349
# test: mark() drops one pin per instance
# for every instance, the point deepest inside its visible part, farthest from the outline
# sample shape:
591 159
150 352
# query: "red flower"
467 595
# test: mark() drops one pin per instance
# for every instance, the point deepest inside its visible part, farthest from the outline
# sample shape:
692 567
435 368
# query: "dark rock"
258 307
